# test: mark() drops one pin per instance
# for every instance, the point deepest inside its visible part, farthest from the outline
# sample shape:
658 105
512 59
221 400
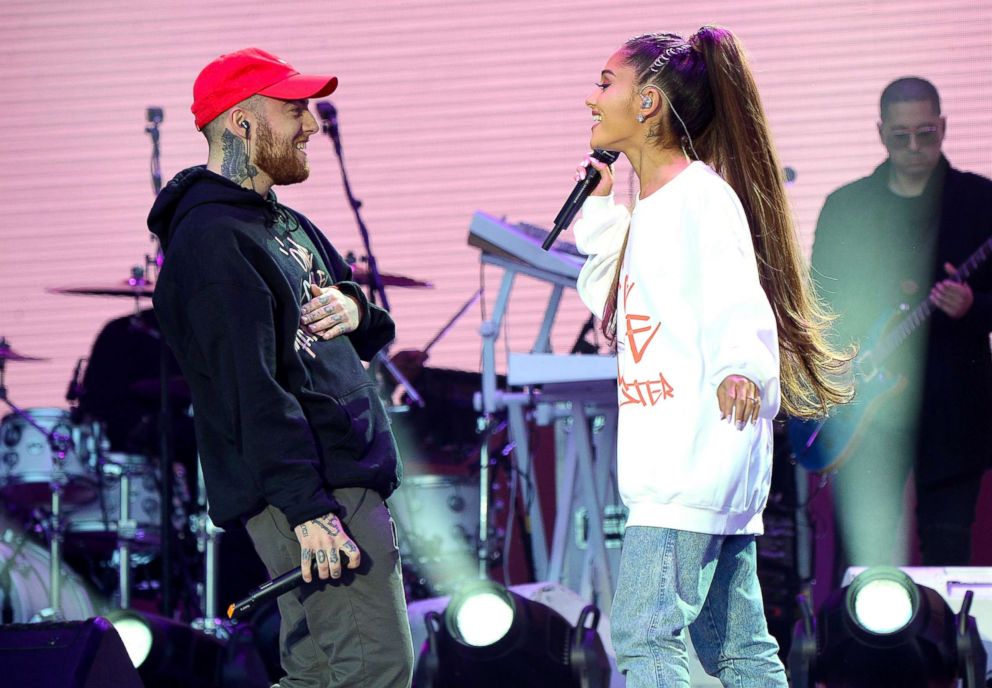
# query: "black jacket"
281 417
874 250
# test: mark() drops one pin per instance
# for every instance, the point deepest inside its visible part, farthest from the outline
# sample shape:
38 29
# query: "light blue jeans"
671 580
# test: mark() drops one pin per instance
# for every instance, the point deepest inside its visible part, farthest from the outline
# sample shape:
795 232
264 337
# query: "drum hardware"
6 584
59 444
125 533
25 587
139 286
8 354
207 542
360 274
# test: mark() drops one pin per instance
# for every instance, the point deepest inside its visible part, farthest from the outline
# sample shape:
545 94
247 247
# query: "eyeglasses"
925 136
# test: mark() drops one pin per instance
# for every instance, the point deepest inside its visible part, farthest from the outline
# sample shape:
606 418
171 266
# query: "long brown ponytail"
720 118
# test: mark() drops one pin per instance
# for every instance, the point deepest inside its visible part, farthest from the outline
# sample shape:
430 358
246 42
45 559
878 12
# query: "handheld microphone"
269 590
329 114
579 194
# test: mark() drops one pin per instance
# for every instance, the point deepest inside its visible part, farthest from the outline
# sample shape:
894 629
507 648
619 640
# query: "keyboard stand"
494 400
585 415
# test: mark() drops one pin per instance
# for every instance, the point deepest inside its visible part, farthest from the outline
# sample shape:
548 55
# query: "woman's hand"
739 399
605 185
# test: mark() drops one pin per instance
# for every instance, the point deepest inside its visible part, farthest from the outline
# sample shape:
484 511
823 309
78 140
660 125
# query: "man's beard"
277 157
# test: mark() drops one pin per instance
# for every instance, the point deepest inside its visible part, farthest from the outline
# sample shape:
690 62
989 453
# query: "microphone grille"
609 157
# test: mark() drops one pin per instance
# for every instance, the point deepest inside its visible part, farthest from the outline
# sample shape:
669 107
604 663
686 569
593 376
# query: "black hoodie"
282 417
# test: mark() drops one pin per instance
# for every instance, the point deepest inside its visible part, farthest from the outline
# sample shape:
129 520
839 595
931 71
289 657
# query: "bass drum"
437 521
25 564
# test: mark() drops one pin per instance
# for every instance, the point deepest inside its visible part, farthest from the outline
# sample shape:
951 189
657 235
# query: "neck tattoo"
235 165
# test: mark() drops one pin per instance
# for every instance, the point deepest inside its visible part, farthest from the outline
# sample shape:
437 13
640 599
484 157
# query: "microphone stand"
376 287
155 116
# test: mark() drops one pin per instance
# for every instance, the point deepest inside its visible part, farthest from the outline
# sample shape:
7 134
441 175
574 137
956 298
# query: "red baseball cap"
231 78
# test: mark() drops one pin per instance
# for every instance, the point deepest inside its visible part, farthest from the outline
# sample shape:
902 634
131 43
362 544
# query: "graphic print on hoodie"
281 418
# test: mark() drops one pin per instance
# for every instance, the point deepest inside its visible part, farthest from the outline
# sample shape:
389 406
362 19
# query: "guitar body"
824 445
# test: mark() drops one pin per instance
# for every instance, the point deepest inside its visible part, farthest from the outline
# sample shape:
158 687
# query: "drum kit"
58 479
61 485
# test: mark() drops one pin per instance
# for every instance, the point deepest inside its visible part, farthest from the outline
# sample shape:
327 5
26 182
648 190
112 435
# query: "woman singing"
712 313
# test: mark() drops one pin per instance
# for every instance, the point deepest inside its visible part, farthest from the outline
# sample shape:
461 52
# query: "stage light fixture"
491 637
169 654
882 602
481 619
886 631
136 634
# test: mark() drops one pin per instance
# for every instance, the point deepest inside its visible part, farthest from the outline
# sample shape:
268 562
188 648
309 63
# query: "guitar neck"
891 341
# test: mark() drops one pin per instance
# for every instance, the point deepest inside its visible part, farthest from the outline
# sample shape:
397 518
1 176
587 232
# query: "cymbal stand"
59 444
55 544
207 542
154 116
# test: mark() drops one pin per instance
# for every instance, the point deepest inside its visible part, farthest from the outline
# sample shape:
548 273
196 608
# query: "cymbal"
145 288
8 354
134 288
360 274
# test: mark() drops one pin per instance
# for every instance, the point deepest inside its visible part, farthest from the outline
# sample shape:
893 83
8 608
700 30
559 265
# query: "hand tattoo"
321 556
307 554
329 526
303 529
235 165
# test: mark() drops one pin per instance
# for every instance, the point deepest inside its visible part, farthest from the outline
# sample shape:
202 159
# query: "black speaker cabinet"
71 654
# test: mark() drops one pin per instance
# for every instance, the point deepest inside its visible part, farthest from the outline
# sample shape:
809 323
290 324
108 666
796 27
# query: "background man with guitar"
925 376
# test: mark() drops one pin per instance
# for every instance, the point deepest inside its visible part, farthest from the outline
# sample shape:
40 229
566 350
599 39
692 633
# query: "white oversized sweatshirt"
690 312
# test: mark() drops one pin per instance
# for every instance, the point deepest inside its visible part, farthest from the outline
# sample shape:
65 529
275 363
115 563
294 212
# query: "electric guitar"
825 444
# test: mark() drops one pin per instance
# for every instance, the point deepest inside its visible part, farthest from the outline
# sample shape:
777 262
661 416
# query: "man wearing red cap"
270 333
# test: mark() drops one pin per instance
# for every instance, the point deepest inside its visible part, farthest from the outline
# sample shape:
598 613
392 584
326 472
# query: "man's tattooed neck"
235 165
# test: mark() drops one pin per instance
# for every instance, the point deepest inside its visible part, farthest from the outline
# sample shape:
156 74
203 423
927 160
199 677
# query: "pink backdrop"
445 108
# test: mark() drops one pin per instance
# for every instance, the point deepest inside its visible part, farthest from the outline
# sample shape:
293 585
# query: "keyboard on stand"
522 243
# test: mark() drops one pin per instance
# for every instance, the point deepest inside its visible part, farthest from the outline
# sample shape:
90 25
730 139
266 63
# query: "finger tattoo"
321 556
307 554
